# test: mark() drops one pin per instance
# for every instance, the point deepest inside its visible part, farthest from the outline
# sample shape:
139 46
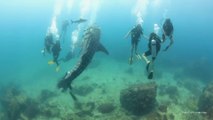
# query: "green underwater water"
28 85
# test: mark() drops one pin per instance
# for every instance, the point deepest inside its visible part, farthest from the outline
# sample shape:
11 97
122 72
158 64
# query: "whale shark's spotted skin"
91 44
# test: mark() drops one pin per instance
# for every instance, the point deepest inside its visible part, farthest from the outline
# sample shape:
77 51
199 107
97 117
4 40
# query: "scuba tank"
153 49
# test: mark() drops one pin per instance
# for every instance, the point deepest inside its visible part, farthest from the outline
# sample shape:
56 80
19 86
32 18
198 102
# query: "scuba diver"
136 33
168 31
56 51
154 46
48 43
52 46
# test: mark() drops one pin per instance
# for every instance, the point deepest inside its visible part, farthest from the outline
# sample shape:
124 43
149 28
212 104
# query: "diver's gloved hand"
57 69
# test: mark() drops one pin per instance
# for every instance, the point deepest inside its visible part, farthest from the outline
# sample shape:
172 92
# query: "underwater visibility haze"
111 86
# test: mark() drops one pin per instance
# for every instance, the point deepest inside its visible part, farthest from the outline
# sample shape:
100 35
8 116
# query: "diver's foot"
130 60
57 68
51 62
150 76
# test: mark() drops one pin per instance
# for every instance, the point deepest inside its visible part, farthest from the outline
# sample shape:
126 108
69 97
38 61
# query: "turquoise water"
24 24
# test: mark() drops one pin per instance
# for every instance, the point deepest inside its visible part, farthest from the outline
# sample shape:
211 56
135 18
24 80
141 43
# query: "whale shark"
91 44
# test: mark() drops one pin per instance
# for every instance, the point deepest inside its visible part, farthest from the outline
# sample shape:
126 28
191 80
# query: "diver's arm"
170 44
146 37
127 35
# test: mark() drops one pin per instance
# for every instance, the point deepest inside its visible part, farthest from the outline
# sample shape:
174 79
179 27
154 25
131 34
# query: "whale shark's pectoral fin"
100 47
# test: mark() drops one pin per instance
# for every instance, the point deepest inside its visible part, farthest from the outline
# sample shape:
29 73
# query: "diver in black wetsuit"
48 43
168 31
154 46
56 51
136 33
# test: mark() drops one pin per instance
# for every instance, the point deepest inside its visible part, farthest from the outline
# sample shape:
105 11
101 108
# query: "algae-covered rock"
45 95
16 105
106 108
139 99
205 103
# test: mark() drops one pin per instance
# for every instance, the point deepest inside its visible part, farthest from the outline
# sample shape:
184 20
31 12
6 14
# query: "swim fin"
57 68
51 62
150 76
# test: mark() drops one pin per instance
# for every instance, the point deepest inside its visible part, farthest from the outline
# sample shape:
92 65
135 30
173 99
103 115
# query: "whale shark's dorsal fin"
100 47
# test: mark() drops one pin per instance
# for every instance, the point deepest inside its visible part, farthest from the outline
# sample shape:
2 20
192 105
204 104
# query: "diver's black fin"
150 76
102 48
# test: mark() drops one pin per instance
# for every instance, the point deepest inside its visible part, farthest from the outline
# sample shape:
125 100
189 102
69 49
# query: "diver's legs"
163 37
171 40
55 59
136 48
136 52
131 55
145 58
150 70
170 44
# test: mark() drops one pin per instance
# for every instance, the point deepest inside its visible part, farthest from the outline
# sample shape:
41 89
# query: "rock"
205 103
139 99
16 105
160 113
49 109
162 108
84 109
46 95
106 108
83 90
170 90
